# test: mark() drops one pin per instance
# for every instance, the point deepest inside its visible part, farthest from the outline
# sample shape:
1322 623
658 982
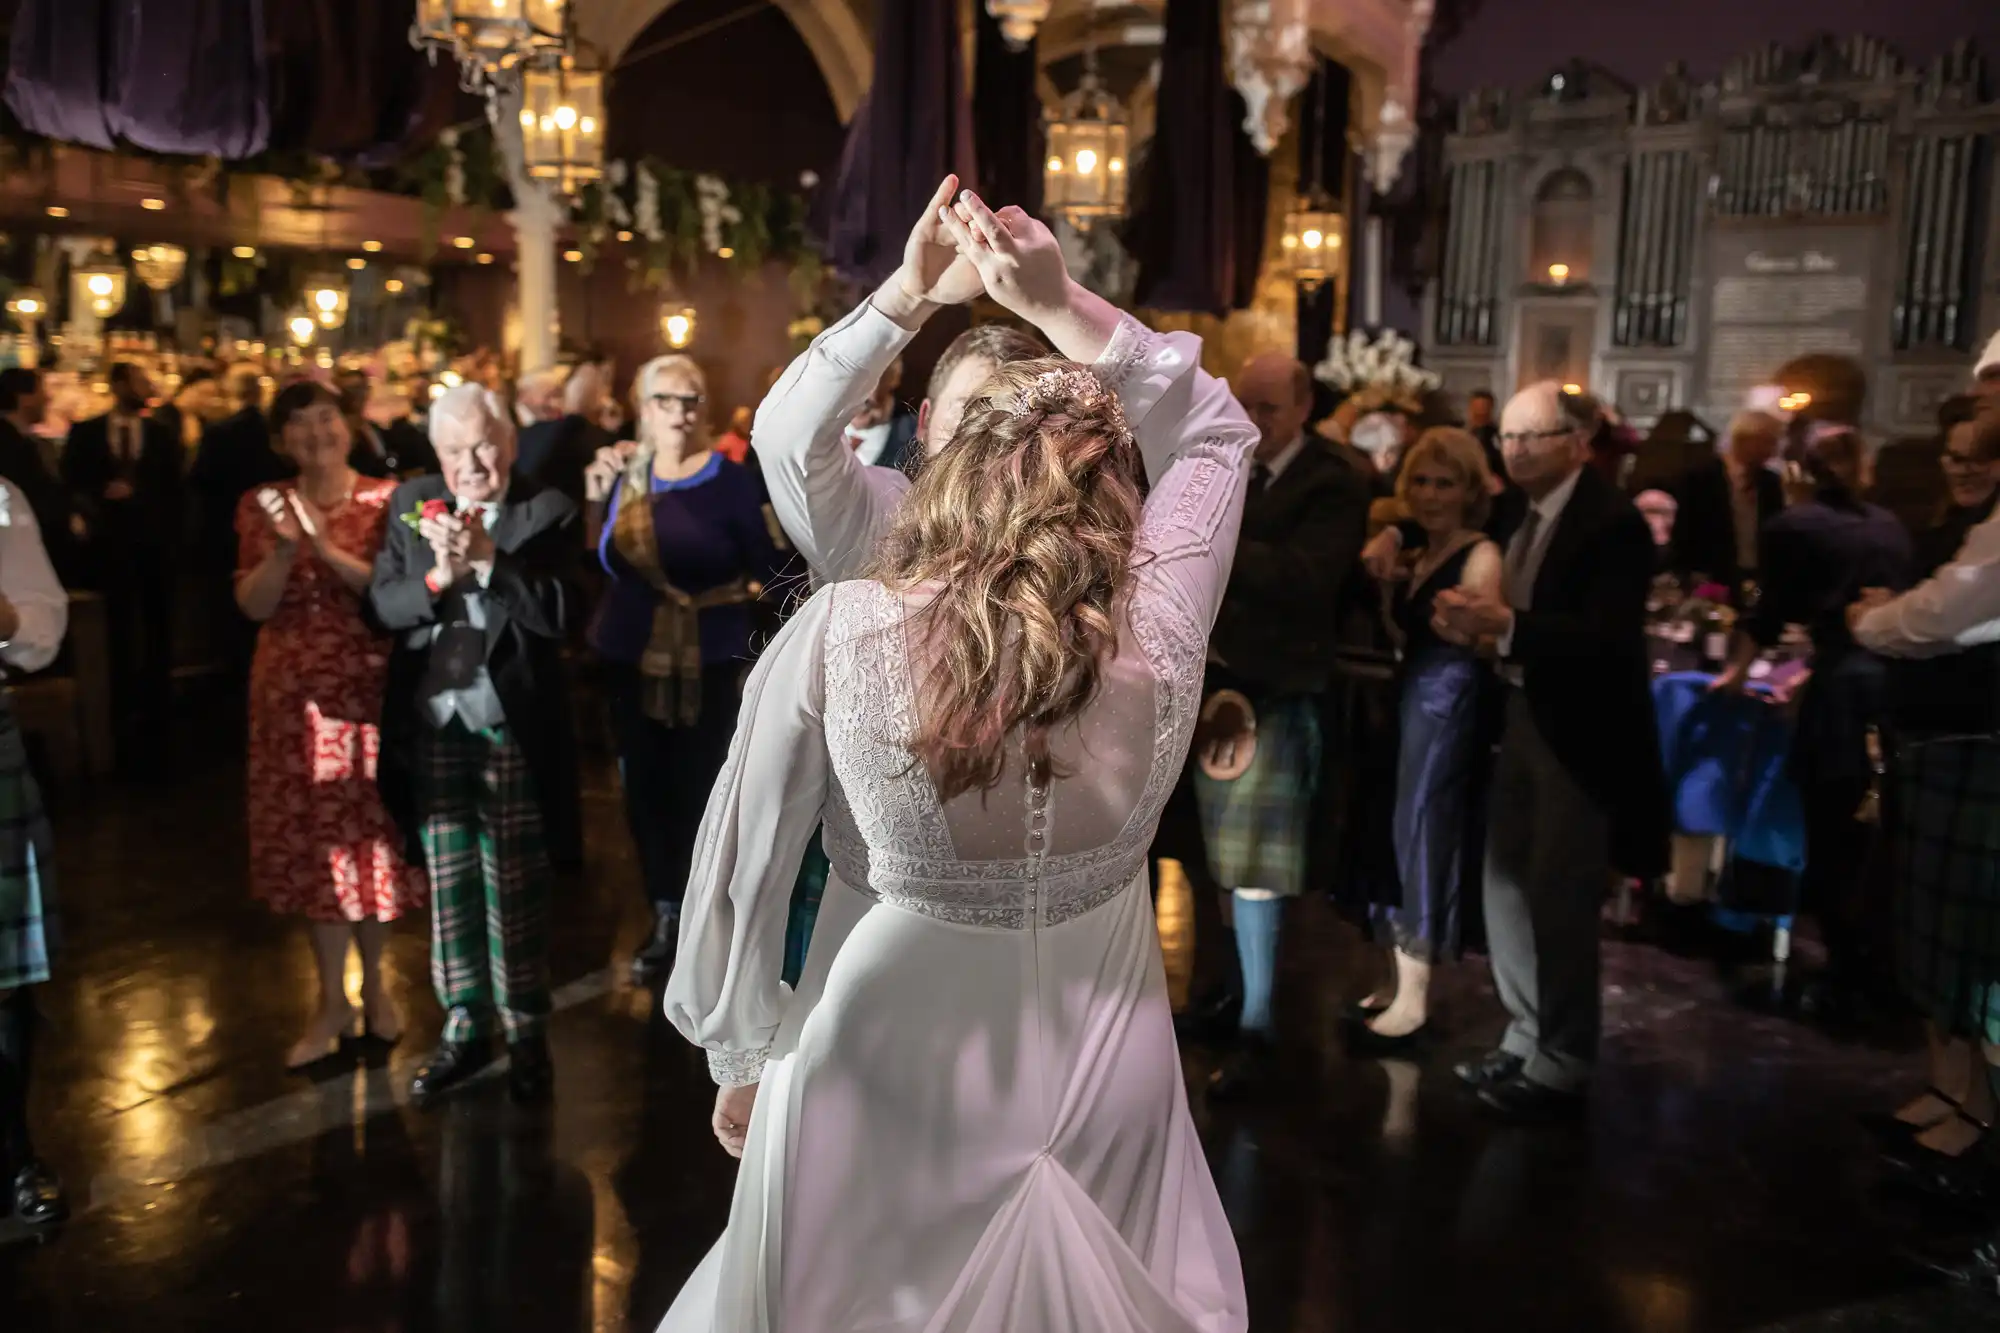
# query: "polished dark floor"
1719 1185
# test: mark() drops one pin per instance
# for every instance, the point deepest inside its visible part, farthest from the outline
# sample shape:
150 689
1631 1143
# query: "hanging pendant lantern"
1019 19
491 39
677 326
28 306
159 266
302 327
1315 232
562 120
326 299
1083 179
98 288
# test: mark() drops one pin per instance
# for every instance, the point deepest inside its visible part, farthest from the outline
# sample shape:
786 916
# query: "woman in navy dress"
682 537
1446 487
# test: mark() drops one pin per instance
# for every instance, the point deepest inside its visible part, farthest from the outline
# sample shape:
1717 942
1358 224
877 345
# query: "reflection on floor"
1720 1184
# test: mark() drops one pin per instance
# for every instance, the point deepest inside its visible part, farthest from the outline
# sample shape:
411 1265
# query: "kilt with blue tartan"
1257 826
1947 821
28 921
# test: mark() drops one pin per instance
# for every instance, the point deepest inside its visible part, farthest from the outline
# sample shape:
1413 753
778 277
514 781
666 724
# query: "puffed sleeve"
725 993
1196 442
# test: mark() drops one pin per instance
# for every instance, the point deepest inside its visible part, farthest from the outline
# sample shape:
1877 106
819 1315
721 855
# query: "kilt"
28 923
1947 819
1258 827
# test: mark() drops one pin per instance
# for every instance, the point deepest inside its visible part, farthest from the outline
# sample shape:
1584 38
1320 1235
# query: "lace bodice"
830 709
889 837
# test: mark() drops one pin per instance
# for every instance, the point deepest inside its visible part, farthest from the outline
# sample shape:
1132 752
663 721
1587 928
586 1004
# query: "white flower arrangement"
646 208
1385 364
712 198
454 169
615 212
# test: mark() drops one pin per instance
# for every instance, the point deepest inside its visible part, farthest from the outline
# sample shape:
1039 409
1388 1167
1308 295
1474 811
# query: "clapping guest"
478 756
558 448
321 845
1725 502
1442 686
1818 556
1945 705
34 613
680 532
124 476
1577 784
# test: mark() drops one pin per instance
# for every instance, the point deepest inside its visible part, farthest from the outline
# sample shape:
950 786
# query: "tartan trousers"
490 877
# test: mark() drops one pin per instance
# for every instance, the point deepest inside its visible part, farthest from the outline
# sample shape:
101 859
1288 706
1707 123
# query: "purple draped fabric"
1198 228
55 69
914 126
1007 122
224 78
189 77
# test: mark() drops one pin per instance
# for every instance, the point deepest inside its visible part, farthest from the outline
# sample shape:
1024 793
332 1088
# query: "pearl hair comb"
1072 390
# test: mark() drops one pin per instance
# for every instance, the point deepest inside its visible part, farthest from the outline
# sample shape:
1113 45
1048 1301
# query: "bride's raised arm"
1192 434
725 993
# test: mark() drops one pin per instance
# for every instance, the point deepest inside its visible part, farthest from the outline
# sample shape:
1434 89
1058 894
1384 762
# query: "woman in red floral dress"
321 845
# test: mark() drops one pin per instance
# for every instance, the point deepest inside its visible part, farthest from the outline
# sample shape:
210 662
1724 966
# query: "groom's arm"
831 504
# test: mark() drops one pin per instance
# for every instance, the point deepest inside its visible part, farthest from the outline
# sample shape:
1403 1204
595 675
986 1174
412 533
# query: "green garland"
674 230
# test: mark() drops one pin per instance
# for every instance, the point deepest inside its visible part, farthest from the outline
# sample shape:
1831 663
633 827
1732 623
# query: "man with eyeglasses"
1577 788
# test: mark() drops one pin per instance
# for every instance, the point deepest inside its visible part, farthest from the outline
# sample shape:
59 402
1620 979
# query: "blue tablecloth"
1725 759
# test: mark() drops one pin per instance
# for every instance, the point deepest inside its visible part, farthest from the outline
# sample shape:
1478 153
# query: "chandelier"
326 299
98 287
1018 19
490 39
562 120
1083 179
1270 61
159 266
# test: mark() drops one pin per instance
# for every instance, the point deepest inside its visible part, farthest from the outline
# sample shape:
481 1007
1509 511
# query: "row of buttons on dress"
1037 844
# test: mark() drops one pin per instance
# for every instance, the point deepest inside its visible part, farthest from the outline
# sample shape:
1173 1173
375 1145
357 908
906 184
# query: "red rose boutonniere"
433 508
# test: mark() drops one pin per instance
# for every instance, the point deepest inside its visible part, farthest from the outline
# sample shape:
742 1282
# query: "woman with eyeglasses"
681 535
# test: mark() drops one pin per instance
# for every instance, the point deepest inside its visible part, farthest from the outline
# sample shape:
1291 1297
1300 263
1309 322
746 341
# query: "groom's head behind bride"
963 370
1024 526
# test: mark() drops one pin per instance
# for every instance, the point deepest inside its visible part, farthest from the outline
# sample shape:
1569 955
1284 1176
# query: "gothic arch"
833 32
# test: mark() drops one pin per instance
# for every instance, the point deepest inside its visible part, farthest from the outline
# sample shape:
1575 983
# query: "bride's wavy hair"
1025 523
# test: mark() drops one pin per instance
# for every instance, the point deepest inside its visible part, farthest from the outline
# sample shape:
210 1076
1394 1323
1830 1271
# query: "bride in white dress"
969 1117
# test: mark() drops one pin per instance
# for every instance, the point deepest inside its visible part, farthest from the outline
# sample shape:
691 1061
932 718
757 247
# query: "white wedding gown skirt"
980 1131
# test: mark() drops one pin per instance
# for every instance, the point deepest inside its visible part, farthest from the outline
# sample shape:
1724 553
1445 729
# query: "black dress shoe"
1493 1067
1245 1072
1967 1181
656 959
1976 1263
1521 1101
1366 1041
37 1197
531 1079
1214 1017
451 1064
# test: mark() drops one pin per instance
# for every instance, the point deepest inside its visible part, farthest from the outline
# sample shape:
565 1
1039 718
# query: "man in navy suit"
123 472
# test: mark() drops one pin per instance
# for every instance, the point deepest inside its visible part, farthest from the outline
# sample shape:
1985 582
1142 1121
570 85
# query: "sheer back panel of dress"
976 857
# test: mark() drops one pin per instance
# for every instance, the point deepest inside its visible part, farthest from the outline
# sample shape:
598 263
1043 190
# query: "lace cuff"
737 1069
1122 355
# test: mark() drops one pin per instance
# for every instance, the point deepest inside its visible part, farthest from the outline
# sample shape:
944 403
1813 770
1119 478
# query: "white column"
1371 276
535 218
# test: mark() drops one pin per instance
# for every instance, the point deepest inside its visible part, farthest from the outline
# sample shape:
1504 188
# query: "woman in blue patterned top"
682 535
